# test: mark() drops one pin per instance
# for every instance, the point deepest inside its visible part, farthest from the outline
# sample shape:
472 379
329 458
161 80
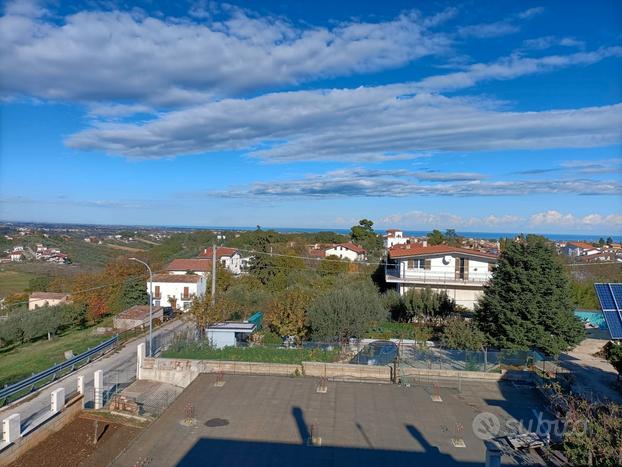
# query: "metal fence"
28 385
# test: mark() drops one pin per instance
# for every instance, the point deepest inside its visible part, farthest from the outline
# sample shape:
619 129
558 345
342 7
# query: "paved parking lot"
268 421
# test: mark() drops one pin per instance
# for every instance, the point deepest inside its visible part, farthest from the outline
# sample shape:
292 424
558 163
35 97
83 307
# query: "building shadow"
232 452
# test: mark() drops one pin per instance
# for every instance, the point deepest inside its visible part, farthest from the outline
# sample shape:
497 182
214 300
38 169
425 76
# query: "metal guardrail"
28 385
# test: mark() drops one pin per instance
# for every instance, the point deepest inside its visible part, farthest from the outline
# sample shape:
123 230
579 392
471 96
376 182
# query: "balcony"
428 277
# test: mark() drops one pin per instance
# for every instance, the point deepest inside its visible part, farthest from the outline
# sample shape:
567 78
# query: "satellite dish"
446 259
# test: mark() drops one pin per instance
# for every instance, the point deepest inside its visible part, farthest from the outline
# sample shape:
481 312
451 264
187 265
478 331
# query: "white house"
396 237
202 267
39 299
177 290
230 258
16 256
460 272
346 250
578 249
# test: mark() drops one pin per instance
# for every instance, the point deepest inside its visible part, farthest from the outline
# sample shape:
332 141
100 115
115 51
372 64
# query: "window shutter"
411 264
466 268
428 264
186 292
457 263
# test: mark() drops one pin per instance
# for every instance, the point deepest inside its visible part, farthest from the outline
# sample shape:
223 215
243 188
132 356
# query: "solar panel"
610 297
616 290
605 297
613 323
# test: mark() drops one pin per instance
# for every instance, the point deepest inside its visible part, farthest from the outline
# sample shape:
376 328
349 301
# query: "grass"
22 361
13 281
392 330
253 354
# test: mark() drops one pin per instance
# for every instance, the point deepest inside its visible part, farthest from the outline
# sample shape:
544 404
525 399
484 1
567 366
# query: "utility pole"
150 304
213 274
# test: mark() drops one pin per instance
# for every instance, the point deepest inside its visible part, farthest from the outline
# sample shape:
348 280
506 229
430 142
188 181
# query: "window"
416 264
156 303
186 292
157 292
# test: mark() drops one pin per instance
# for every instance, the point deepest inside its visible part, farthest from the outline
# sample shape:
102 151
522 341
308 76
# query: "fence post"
58 400
140 358
98 381
11 428
81 384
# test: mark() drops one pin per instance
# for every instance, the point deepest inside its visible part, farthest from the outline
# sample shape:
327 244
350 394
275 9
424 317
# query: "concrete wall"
183 372
30 440
347 371
423 374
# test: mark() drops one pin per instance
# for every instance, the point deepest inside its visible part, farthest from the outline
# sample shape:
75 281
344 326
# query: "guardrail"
28 385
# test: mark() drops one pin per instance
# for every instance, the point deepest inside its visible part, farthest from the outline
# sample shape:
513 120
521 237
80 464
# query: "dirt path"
594 377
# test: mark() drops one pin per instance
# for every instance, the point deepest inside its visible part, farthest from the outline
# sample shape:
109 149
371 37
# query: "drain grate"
214 422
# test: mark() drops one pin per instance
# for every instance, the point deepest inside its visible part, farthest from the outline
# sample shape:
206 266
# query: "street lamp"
150 303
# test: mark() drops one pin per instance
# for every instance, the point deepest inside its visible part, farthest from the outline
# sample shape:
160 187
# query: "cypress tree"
528 302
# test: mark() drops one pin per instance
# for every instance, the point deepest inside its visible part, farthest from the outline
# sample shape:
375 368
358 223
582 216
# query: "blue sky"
480 116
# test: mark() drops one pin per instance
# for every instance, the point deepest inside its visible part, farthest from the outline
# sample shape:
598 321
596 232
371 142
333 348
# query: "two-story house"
347 250
176 290
230 258
460 272
574 249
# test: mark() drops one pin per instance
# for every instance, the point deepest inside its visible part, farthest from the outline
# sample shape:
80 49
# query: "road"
119 367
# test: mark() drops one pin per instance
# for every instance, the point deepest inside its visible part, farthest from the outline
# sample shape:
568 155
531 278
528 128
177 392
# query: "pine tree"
528 302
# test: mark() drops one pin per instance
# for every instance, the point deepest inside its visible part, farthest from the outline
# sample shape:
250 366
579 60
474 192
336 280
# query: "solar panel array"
610 298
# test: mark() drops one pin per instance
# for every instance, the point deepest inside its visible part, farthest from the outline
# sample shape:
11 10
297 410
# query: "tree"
613 354
609 241
345 311
435 237
286 313
527 302
332 265
452 238
202 313
461 334
426 304
134 292
363 234
601 242
39 284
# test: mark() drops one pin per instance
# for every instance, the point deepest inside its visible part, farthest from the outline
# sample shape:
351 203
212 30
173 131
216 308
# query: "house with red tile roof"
200 266
460 272
347 250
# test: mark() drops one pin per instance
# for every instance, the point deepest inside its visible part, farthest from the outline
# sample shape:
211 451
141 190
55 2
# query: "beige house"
39 299
138 315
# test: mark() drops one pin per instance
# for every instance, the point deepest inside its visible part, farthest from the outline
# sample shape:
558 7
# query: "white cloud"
552 220
362 124
482 31
402 183
421 219
556 218
546 42
530 13
116 55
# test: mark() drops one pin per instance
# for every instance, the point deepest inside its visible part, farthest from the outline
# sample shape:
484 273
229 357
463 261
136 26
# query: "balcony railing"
426 276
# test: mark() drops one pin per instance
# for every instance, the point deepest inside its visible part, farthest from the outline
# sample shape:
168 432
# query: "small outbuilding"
229 333
138 315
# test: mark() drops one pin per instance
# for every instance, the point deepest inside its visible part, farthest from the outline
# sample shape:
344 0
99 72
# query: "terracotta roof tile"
402 251
181 278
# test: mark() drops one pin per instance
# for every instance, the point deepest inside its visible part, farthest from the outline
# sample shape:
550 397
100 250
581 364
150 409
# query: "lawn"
13 281
253 354
20 362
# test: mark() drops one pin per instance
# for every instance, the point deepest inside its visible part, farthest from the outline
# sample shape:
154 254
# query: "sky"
497 116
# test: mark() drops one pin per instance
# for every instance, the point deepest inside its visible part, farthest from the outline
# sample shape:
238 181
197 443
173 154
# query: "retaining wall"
72 408
525 376
182 372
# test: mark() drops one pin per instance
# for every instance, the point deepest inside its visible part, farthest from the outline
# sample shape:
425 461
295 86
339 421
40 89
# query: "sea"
420 233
